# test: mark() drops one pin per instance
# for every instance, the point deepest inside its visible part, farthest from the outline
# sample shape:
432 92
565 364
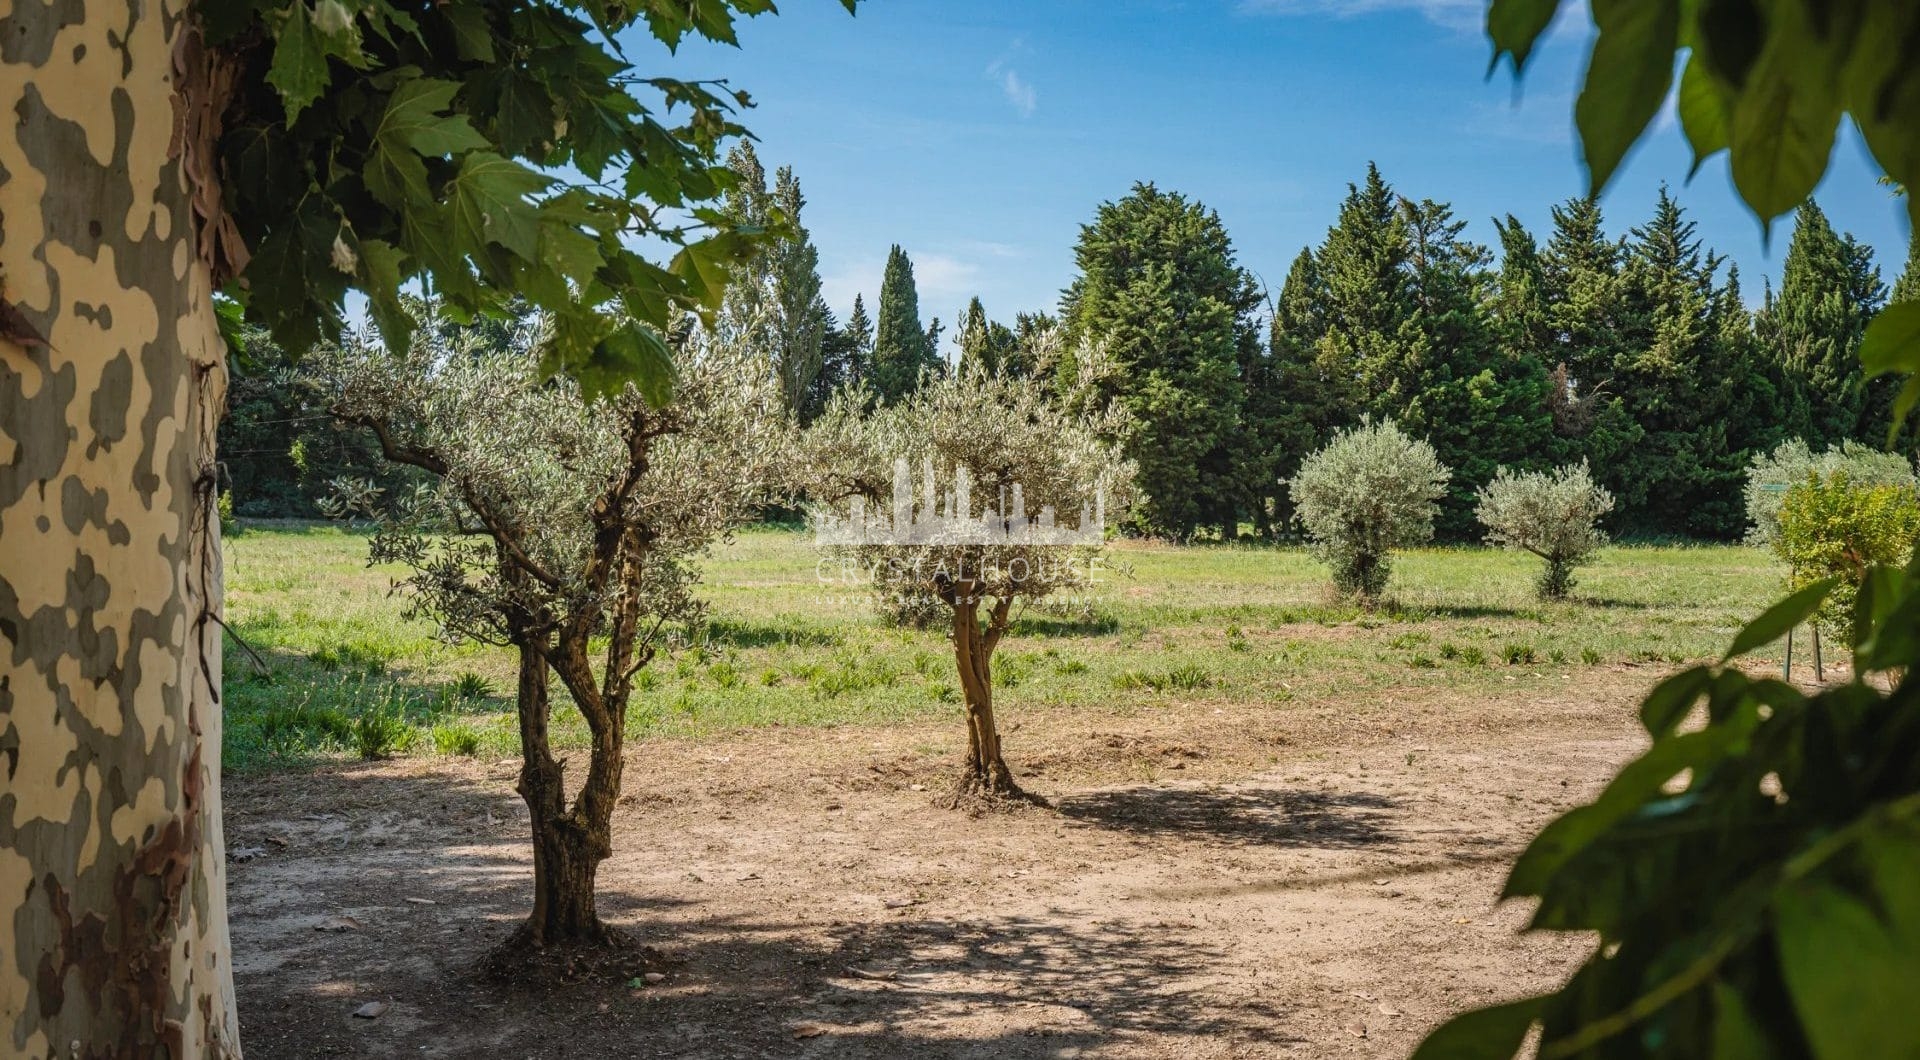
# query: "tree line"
1636 352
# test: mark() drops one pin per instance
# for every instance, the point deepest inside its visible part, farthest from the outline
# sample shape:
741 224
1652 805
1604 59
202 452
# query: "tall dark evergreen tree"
1363 296
986 344
901 346
1480 406
1160 284
1676 376
1291 407
773 302
1829 289
845 358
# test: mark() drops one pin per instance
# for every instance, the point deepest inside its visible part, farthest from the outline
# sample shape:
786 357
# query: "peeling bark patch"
80 508
108 412
28 33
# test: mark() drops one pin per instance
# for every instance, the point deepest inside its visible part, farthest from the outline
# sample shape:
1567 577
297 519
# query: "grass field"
348 674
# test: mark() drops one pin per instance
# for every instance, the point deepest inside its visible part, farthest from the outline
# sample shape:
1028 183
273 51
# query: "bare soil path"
1214 880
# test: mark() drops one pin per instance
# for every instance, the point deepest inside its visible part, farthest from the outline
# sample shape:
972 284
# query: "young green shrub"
1519 654
453 739
1771 475
1552 514
1835 525
381 733
1371 490
470 687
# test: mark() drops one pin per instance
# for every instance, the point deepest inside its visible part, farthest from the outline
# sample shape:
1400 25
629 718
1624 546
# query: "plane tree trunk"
112 381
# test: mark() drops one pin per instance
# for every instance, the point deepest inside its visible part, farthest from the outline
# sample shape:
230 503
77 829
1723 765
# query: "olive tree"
1369 491
1552 514
566 528
1030 487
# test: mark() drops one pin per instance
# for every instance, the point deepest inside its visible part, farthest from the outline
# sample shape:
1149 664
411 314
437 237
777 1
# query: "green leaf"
632 353
1703 112
1637 782
416 119
1784 123
1851 977
1514 26
299 69
472 36
1627 80
1492 1033
1671 699
1892 341
381 266
1736 1035
1780 618
487 203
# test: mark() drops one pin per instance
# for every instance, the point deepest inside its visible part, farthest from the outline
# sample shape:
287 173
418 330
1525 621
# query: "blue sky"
980 134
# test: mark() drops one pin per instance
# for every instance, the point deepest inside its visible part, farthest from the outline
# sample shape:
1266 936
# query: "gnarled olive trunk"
986 771
568 842
112 380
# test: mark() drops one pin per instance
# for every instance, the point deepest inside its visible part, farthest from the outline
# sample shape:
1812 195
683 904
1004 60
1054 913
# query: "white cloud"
944 282
1452 14
1018 90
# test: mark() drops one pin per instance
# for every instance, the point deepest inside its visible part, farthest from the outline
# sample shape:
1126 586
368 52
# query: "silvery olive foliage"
1002 430
1552 514
1771 475
1369 491
504 529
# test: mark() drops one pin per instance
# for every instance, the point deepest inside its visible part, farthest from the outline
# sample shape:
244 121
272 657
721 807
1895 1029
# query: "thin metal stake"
1819 674
1786 667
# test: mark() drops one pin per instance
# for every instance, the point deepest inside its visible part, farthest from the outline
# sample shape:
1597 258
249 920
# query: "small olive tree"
1552 514
1770 475
565 528
1020 468
1369 491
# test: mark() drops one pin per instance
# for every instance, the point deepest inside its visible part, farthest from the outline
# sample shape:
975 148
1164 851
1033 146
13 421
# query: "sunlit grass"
789 643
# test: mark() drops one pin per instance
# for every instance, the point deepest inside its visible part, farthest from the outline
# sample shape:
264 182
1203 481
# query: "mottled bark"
986 773
569 842
111 384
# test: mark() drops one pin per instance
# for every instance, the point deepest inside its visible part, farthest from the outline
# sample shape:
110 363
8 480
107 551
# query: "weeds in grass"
1557 657
724 675
1589 656
1412 639
1070 667
469 687
1473 655
1519 654
381 733
942 692
770 677
452 738
1188 678
1422 662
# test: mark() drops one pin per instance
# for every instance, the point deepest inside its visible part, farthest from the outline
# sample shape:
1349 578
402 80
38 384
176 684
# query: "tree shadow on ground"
432 874
1260 816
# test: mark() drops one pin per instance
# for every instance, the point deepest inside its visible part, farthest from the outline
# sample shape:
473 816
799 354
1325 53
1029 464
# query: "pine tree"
1362 283
1675 374
901 346
1480 408
1160 285
1291 407
845 359
975 352
1583 297
1829 290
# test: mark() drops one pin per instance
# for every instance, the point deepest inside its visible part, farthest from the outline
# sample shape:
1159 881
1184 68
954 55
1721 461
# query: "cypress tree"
1362 284
801 313
901 346
1160 284
1829 290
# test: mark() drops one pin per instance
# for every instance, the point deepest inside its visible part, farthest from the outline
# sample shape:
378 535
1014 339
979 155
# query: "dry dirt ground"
1213 880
